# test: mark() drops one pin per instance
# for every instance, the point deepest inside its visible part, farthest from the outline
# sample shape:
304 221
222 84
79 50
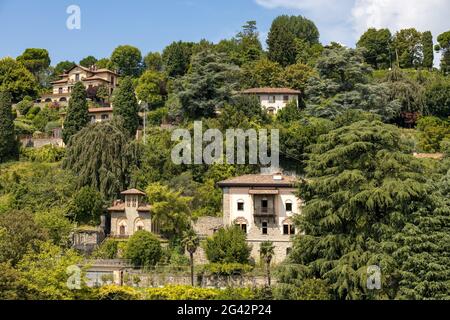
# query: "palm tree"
267 251
191 242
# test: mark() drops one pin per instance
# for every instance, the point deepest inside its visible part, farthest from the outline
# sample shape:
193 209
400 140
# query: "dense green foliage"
378 44
16 79
362 114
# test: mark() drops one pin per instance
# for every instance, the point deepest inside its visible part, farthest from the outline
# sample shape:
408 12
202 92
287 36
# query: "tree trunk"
192 268
268 273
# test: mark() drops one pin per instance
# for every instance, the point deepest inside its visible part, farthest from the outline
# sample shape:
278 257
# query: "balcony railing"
264 212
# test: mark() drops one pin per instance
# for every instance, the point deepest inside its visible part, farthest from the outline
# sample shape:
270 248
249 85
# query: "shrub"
310 289
228 246
180 292
156 117
33 112
143 249
23 127
48 153
25 105
107 250
432 131
113 292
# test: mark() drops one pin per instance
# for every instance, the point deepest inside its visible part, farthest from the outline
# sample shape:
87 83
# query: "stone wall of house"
37 143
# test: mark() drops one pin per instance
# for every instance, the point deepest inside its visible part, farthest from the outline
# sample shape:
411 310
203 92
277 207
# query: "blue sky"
151 25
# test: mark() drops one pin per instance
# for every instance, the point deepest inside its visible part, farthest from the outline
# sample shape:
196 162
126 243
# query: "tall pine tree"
77 116
360 192
8 142
126 106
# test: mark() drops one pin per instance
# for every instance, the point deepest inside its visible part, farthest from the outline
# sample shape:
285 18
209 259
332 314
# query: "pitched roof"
95 78
117 207
436 156
271 90
133 192
100 110
259 180
144 208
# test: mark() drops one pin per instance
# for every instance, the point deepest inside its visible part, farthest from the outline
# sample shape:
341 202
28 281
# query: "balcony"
264 212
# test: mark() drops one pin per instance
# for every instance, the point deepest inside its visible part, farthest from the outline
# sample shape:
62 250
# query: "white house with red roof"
274 99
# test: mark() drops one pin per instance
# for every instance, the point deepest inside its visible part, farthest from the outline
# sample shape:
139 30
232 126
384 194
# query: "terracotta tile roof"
133 191
262 180
95 78
436 156
117 207
100 110
144 208
60 81
271 90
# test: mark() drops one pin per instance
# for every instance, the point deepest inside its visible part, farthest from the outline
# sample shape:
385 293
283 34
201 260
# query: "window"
240 206
271 111
264 205
134 201
264 227
140 228
241 223
105 117
128 201
285 98
272 99
77 77
92 119
288 251
243 227
60 90
122 230
112 80
289 206
288 229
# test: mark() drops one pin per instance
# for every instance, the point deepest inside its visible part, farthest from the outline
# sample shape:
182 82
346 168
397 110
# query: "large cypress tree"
8 142
427 49
77 116
360 193
126 106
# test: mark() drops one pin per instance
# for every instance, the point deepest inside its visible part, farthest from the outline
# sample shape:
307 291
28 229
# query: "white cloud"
423 15
359 15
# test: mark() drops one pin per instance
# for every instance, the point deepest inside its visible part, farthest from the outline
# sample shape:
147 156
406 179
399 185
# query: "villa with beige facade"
91 77
273 99
263 206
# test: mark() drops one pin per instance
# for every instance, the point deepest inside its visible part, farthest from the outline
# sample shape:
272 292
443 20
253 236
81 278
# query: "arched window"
288 205
241 223
139 224
288 227
122 227
63 99
240 205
